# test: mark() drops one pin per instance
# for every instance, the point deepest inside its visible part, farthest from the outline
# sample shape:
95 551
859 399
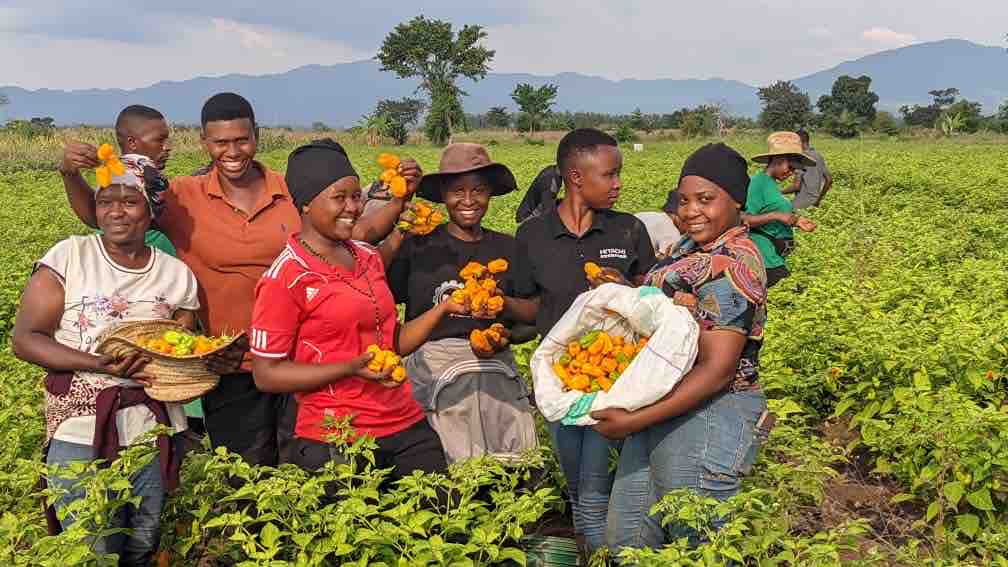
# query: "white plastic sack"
619 310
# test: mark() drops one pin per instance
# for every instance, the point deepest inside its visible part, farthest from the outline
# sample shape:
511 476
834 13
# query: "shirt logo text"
613 253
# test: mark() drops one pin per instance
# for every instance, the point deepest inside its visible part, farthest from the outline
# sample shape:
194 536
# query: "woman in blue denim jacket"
702 436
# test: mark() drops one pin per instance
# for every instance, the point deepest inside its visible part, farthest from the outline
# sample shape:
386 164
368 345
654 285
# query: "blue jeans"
136 547
584 459
707 450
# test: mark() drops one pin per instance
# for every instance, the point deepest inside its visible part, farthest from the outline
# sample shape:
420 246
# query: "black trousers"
775 275
256 425
416 448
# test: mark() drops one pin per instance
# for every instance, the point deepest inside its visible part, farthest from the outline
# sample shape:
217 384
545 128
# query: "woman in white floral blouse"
94 403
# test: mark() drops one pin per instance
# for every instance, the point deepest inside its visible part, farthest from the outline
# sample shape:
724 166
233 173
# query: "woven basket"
173 378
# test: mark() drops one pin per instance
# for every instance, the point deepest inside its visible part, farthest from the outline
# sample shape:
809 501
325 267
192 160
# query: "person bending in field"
94 403
319 307
814 182
552 251
705 434
768 213
477 402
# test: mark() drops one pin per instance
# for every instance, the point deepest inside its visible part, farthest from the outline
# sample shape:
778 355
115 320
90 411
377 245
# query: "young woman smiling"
705 434
478 405
323 302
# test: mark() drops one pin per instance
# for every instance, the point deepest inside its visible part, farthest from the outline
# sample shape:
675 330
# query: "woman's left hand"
805 225
614 423
452 308
410 170
229 360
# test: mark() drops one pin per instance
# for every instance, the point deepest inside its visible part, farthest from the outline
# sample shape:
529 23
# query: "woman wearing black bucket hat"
704 436
320 307
478 404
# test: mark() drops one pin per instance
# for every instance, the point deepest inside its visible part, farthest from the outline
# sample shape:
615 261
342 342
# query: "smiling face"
467 197
706 211
780 168
597 173
122 213
232 145
334 212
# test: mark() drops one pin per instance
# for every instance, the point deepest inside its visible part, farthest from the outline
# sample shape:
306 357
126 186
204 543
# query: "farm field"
886 360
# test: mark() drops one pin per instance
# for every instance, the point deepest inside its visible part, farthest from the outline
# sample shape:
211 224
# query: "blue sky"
67 44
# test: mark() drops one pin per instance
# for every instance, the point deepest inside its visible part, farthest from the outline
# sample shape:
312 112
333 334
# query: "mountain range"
339 95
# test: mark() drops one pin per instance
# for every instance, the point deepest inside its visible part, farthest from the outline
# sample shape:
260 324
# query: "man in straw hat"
94 403
769 214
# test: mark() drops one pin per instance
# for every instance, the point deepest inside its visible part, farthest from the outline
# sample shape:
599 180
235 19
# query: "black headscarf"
315 166
721 165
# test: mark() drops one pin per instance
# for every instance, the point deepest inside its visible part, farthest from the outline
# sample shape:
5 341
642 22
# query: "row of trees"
850 109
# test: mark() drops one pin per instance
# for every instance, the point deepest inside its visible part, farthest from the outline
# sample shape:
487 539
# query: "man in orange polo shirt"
228 226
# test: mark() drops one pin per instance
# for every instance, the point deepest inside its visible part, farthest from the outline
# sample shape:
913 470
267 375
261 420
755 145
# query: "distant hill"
905 75
339 94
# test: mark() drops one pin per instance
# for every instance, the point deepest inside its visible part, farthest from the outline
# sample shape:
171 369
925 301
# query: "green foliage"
498 117
34 128
784 107
534 102
625 133
699 122
401 116
894 320
850 95
886 123
432 51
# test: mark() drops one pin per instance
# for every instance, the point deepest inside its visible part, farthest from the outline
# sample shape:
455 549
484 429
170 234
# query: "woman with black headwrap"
320 306
705 434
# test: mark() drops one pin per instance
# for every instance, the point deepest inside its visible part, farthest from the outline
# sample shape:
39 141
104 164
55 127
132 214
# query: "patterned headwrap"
140 173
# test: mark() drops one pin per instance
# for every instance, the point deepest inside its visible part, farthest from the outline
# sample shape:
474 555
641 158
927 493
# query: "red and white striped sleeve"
275 318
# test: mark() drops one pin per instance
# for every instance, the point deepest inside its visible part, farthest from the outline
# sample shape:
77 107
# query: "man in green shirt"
769 214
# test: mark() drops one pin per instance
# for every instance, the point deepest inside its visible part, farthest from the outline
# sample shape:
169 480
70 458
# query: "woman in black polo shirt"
478 405
553 249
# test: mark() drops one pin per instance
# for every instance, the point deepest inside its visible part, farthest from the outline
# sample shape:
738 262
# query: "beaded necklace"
368 294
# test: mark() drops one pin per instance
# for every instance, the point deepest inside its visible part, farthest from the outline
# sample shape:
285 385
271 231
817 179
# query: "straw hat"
466 157
786 144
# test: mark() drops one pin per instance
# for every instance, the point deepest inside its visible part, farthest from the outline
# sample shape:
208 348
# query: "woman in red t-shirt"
319 307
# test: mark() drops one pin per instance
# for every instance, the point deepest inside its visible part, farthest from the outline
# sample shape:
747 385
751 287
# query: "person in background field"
703 436
478 404
228 226
140 130
814 182
320 306
552 251
664 227
768 213
94 404
542 195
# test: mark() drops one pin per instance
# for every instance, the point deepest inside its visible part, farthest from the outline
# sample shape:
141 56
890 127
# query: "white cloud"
251 37
198 48
888 37
821 32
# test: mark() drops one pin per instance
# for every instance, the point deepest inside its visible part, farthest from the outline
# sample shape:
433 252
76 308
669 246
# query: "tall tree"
534 102
433 52
850 94
784 107
498 117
